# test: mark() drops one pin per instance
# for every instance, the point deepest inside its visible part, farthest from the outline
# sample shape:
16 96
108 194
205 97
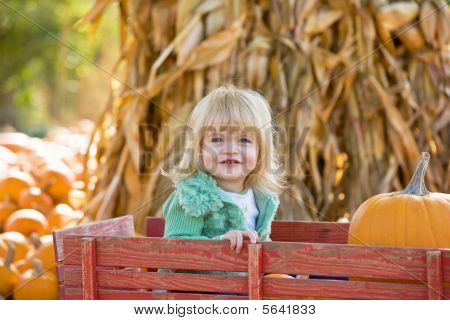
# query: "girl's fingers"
255 236
252 235
232 238
239 241
236 238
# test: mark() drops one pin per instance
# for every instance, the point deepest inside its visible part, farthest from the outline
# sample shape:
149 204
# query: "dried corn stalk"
370 79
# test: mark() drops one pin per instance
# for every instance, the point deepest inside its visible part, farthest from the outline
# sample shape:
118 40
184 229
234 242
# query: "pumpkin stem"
417 184
10 253
38 267
35 240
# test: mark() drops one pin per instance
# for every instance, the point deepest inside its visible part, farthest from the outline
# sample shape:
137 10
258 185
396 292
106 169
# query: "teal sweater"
197 210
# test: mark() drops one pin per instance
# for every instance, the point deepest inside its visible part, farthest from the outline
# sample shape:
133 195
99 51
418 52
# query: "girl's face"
230 155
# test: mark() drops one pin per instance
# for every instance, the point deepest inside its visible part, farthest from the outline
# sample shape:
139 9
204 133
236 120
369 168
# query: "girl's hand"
236 238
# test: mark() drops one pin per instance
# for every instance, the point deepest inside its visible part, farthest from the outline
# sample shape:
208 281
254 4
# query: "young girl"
228 180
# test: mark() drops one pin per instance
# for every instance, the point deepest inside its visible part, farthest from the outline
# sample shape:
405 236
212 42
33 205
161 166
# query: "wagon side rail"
374 272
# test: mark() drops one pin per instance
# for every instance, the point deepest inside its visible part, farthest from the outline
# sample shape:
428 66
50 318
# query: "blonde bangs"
231 111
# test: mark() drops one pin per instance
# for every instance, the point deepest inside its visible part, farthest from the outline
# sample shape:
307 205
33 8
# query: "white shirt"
247 203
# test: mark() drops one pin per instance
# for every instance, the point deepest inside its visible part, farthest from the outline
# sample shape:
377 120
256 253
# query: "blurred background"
358 90
44 82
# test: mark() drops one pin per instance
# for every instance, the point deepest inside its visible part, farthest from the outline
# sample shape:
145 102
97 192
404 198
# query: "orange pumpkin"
279 276
9 276
22 265
413 217
7 208
8 156
43 251
34 198
36 284
15 182
20 242
27 221
62 215
15 141
77 198
3 248
3 170
58 181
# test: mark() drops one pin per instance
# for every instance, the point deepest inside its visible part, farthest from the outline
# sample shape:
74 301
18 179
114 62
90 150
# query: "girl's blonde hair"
243 108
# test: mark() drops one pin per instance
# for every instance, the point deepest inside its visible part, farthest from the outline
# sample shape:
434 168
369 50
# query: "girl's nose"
231 151
231 148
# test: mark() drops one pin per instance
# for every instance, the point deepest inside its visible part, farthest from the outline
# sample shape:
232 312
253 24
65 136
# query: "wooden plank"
108 294
308 231
61 292
121 226
345 260
290 231
446 265
155 227
161 253
88 269
60 272
60 269
434 275
255 271
297 288
113 279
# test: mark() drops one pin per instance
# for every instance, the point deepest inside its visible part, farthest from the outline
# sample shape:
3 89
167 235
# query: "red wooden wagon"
105 261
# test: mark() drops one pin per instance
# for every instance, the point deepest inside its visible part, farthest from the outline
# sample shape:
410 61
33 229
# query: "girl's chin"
230 175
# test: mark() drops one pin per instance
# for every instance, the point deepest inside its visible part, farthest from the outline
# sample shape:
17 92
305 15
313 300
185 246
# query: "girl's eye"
245 140
216 139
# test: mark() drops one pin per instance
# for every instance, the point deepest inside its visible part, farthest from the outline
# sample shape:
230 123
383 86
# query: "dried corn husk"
357 89
397 14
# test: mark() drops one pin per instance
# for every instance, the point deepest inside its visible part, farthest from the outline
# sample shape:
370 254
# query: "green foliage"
37 68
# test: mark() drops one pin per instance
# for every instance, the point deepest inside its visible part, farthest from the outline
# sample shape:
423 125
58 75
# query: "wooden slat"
296 288
434 275
121 227
345 260
108 294
290 231
161 253
60 272
255 273
305 231
113 279
278 289
61 292
446 265
155 227
88 269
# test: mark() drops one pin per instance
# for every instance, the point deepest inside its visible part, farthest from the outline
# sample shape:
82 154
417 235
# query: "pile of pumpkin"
40 191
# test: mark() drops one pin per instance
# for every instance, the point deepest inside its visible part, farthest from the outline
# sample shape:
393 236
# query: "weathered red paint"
434 275
89 268
255 271
424 270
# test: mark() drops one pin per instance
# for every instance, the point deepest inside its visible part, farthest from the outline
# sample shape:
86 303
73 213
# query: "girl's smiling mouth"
230 161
